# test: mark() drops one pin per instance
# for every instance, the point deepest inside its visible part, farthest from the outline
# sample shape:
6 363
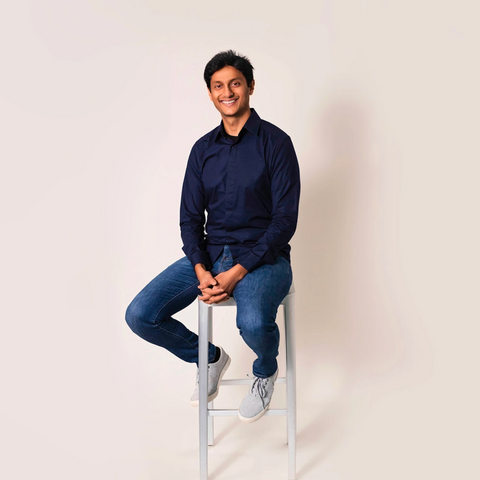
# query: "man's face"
230 93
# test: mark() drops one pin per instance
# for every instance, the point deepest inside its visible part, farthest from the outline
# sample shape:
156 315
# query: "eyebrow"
236 78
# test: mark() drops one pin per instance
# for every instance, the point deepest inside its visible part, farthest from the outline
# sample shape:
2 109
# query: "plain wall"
100 104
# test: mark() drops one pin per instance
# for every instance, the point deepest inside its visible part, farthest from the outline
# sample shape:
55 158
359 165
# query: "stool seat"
206 410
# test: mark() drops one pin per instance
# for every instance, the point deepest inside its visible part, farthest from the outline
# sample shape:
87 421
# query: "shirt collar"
253 122
223 132
252 125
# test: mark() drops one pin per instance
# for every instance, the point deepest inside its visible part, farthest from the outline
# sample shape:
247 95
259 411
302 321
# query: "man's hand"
225 283
211 292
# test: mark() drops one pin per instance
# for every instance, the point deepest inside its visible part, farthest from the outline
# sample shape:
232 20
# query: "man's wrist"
200 270
239 271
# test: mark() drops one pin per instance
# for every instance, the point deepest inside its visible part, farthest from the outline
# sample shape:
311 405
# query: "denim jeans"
258 296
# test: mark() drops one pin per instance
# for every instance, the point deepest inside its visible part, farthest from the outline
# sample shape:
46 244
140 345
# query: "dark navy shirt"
247 191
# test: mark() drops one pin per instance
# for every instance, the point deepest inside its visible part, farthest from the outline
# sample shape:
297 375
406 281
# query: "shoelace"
259 387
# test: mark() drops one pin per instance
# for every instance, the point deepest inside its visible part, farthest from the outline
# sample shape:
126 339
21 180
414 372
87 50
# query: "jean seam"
175 334
171 300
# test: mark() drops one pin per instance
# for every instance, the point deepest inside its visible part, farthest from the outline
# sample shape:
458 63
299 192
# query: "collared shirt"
249 189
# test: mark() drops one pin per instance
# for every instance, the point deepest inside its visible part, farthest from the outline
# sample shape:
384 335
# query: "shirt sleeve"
285 189
192 213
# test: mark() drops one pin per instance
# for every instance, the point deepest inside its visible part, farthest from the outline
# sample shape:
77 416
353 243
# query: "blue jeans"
258 296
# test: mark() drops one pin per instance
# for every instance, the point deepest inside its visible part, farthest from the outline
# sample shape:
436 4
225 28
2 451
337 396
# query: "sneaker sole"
253 419
213 396
259 415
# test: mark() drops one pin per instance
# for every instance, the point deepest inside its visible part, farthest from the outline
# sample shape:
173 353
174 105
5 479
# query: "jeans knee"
256 328
135 316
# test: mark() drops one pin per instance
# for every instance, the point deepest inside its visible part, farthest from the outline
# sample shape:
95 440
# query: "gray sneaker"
215 373
257 400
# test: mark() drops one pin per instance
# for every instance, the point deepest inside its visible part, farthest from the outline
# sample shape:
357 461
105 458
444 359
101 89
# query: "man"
244 174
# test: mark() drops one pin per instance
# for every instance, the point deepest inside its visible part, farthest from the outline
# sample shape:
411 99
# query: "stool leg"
289 312
204 315
210 405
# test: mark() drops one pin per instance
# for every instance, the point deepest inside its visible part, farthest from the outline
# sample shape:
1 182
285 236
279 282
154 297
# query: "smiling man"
244 174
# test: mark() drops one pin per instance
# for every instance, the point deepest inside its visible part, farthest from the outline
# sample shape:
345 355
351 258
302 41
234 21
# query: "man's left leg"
258 296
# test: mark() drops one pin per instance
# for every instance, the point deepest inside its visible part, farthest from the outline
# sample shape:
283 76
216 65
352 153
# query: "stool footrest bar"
246 381
218 412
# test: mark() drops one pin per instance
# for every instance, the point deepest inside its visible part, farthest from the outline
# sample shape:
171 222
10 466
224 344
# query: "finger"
224 300
211 283
217 291
213 291
208 295
217 299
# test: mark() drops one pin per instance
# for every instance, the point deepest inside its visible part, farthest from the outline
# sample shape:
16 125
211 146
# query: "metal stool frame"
207 412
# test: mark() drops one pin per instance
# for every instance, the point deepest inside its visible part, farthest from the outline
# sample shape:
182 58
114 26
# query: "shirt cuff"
201 257
250 261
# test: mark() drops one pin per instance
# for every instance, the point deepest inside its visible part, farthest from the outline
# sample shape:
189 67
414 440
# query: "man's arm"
192 213
192 228
285 186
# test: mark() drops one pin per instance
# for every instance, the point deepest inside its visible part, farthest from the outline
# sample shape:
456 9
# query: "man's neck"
233 125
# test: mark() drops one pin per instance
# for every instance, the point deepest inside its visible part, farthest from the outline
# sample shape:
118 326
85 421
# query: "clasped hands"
219 288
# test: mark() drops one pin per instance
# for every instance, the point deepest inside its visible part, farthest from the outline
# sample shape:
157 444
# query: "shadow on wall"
325 241
349 333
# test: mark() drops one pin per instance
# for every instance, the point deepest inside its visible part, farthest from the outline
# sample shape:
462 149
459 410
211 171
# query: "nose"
228 91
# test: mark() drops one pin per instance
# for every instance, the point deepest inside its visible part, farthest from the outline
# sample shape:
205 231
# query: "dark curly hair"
231 58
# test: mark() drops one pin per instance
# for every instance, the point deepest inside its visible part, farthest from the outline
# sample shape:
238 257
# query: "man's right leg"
150 313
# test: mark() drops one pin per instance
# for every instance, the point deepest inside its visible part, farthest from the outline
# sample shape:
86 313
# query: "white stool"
207 412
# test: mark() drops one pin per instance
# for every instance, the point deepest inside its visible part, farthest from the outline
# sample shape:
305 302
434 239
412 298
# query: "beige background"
100 104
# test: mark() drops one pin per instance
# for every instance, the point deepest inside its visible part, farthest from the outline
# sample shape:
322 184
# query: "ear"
210 94
252 86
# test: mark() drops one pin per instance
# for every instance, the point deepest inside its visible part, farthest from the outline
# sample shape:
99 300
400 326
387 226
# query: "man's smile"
228 102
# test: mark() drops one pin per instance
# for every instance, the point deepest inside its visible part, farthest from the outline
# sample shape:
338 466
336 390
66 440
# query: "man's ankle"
217 355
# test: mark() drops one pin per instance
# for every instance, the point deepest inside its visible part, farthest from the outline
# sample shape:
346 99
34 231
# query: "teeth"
229 102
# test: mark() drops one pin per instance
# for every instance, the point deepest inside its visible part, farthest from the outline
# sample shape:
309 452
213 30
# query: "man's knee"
256 323
137 317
